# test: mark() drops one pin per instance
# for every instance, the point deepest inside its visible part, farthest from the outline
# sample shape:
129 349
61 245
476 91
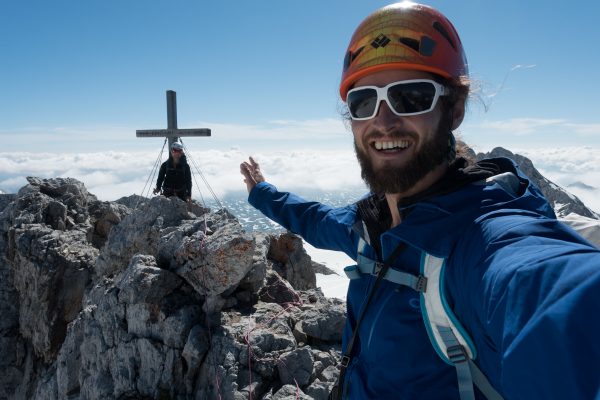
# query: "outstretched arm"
320 225
536 294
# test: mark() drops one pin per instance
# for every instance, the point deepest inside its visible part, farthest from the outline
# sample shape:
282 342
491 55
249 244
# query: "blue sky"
81 76
105 65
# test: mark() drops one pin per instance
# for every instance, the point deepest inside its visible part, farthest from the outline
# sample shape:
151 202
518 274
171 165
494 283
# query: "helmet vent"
350 57
427 46
410 42
424 47
438 27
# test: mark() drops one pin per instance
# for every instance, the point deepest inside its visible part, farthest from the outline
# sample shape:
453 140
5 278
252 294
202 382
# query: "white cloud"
529 126
294 154
111 175
567 165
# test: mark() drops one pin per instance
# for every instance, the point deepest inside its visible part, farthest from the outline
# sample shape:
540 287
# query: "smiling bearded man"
390 178
465 284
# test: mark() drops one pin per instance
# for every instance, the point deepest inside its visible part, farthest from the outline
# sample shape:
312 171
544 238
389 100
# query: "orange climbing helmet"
403 35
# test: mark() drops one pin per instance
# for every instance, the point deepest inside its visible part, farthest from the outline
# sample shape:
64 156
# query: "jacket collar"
433 220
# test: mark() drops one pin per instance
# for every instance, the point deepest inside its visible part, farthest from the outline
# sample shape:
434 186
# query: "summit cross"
172 132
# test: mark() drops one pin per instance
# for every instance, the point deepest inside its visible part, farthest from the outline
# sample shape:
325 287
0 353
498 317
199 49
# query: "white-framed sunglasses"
404 98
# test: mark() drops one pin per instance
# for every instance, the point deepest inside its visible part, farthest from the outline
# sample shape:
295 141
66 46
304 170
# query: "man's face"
422 140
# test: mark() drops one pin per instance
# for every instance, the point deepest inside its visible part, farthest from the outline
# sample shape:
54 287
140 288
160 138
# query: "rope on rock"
151 176
199 172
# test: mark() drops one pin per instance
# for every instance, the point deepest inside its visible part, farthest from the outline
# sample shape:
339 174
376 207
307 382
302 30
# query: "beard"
399 179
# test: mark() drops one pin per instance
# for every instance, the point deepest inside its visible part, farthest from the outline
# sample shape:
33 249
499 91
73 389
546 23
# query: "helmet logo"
380 41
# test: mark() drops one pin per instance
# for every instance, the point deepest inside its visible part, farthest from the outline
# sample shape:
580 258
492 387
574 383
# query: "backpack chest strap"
367 266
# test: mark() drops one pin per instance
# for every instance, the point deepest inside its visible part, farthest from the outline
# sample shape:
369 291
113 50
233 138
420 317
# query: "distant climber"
174 177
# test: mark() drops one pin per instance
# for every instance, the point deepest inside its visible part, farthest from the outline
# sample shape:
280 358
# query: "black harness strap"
338 389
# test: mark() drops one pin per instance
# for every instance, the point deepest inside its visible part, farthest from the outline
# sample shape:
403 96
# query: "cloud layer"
568 165
111 175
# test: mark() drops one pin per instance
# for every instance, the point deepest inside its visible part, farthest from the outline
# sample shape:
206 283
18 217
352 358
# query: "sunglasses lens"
410 98
362 103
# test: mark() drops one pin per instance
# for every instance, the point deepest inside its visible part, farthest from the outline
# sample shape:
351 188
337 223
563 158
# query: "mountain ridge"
101 300
563 202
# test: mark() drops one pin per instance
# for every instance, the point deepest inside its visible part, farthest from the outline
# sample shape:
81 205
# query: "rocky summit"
155 299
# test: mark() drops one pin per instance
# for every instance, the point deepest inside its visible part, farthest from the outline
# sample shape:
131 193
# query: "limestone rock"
321 318
153 299
139 233
277 290
105 215
132 202
296 367
319 390
290 392
51 271
217 263
6 199
155 308
292 262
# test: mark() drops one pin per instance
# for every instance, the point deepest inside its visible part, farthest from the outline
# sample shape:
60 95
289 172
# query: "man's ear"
458 114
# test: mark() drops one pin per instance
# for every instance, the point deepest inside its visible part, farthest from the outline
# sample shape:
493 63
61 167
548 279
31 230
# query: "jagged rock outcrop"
564 203
293 264
167 300
6 199
45 235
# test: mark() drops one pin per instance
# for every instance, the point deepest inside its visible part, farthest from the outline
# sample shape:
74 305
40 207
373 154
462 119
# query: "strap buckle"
345 361
421 285
457 354
377 266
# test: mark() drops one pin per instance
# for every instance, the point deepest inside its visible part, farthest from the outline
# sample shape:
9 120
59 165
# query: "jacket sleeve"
188 180
320 225
161 176
536 292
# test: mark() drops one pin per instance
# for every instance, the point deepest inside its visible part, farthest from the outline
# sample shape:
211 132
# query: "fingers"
254 163
246 170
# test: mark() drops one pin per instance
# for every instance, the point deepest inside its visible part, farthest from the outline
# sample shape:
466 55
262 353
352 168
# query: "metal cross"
172 132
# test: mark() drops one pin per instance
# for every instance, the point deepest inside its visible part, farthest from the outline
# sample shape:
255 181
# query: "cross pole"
172 132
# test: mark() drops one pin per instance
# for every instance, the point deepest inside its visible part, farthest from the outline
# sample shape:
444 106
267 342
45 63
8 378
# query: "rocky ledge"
155 299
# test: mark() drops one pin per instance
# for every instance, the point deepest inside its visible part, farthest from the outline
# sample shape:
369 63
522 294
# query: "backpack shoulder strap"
440 320
448 337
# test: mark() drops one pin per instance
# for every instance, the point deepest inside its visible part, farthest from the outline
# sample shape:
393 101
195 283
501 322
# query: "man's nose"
385 117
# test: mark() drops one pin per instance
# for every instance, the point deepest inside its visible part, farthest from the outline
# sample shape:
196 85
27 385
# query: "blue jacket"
524 286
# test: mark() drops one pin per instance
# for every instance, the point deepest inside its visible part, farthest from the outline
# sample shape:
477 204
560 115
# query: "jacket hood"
434 219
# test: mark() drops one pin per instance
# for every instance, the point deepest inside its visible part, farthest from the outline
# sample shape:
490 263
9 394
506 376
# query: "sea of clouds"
113 174
110 175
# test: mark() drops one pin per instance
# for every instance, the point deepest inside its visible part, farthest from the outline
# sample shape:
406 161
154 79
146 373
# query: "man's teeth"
402 144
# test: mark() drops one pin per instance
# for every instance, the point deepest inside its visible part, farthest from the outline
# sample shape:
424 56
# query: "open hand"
251 172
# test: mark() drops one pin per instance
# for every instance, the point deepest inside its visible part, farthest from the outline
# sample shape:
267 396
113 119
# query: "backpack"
448 337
